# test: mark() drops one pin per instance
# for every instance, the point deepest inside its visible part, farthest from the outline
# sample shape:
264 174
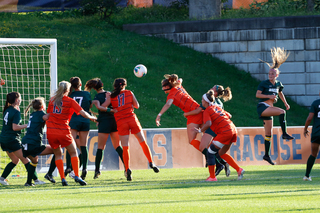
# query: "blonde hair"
225 94
64 86
279 56
36 104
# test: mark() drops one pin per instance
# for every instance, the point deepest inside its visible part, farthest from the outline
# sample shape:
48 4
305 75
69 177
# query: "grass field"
263 189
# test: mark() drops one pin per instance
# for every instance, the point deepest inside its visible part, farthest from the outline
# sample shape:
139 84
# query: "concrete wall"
242 42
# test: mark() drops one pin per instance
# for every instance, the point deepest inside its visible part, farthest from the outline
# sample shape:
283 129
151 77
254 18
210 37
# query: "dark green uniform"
107 122
218 102
32 141
267 88
315 108
78 122
10 139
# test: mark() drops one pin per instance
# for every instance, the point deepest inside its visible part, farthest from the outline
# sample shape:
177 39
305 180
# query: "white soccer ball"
140 70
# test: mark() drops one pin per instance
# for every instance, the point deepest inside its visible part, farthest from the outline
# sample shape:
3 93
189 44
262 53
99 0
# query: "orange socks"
75 165
230 161
146 151
196 144
59 164
126 157
212 171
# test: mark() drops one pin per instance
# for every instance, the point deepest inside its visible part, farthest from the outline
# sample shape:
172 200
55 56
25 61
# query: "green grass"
263 189
89 48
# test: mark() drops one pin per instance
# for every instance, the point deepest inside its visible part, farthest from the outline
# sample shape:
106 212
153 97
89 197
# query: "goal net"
28 66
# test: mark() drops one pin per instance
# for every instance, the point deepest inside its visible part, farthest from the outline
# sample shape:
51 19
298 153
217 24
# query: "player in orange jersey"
219 127
124 102
61 108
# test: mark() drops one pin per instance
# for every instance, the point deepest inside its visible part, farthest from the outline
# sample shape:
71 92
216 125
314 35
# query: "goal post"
28 66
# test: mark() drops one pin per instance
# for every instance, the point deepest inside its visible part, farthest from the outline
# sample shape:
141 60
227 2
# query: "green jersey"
84 100
268 88
34 129
218 102
101 97
10 116
315 108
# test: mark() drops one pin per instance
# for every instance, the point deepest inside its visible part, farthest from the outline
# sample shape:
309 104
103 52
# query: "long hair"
173 79
75 83
11 98
279 56
64 86
36 104
118 85
94 83
225 94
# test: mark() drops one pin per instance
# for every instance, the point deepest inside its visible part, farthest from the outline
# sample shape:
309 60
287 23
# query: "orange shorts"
132 125
227 137
196 119
57 141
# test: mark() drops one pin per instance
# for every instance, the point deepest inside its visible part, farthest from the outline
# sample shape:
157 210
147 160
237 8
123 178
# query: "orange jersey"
220 119
182 99
58 122
124 105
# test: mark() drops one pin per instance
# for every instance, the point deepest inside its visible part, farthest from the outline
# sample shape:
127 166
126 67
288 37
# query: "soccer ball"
140 70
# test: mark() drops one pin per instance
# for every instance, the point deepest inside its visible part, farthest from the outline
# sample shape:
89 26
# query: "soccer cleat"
49 178
240 173
64 182
67 171
80 181
84 174
154 167
227 170
211 179
39 182
71 174
129 173
27 184
96 174
285 136
219 169
305 178
268 159
3 181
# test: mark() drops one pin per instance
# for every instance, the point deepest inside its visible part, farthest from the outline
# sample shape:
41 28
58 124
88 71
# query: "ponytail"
94 83
64 86
224 93
118 84
11 98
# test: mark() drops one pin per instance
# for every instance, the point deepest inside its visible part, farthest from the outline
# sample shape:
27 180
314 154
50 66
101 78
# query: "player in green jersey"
268 92
106 124
315 136
10 137
79 125
32 141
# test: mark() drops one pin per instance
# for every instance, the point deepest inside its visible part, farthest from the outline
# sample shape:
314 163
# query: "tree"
310 5
104 7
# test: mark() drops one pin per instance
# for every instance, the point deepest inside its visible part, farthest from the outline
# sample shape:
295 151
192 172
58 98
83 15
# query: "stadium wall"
242 42
170 149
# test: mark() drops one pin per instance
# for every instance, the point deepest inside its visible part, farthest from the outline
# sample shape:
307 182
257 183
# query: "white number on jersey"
29 122
78 99
6 118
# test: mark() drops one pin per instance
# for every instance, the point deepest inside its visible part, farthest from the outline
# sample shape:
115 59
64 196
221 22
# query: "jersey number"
56 109
78 99
121 99
29 122
6 118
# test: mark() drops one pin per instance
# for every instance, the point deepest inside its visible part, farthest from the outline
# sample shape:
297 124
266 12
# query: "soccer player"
79 125
315 136
123 102
10 137
268 92
219 127
106 124
32 141
61 108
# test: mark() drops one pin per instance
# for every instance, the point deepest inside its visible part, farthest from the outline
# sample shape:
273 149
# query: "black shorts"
12 146
33 150
315 139
260 108
80 126
107 126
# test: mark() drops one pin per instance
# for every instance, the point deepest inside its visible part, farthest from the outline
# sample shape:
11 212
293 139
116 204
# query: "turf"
263 189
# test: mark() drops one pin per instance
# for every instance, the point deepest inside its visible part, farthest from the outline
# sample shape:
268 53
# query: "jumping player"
268 92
